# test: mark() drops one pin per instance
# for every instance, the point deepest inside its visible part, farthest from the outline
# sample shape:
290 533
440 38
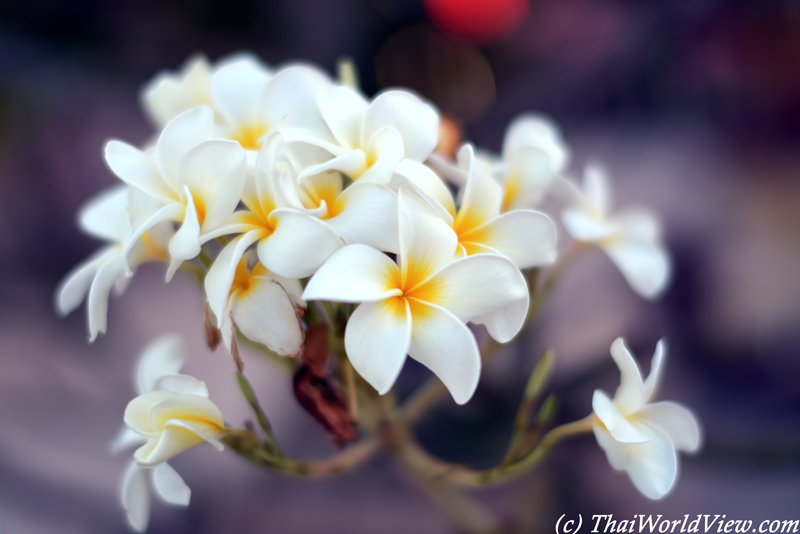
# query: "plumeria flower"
420 305
169 94
366 141
157 368
534 153
266 307
631 238
291 242
640 436
104 217
197 181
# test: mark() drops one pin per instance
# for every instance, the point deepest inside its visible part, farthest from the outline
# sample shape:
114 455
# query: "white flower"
640 436
195 180
534 153
157 368
266 307
366 141
631 238
169 94
420 306
104 217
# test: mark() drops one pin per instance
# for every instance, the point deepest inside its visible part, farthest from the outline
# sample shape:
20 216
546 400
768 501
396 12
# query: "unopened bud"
210 331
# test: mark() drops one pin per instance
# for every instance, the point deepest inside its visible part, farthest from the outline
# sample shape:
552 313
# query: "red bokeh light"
477 21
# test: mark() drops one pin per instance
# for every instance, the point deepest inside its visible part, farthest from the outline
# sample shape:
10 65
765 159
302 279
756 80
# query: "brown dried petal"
324 403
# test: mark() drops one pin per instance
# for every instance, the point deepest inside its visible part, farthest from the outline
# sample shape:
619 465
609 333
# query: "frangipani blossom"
104 217
195 180
291 242
640 436
169 94
266 307
157 368
420 306
631 238
365 141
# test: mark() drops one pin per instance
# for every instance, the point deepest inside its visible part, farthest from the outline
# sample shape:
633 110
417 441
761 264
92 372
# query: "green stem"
271 442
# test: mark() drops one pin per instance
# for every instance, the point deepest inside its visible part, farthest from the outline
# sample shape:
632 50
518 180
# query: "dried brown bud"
315 351
324 403
237 359
212 334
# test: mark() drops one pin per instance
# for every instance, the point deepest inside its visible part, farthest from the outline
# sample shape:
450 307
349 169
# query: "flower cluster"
298 201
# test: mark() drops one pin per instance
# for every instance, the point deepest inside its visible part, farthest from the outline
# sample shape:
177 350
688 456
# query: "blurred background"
694 107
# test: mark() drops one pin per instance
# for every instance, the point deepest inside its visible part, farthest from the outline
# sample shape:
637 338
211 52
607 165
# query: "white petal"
73 287
653 380
98 295
596 190
505 322
343 110
629 396
351 163
615 451
136 169
137 412
384 151
444 344
163 356
674 420
639 224
170 486
527 177
222 272
183 384
237 88
167 95
171 212
300 244
105 215
646 266
178 436
447 169
482 195
617 424
185 244
306 127
584 228
368 215
265 314
425 183
427 243
526 237
417 122
653 466
377 339
474 286
125 439
214 172
531 130
182 133
356 273
136 497
293 88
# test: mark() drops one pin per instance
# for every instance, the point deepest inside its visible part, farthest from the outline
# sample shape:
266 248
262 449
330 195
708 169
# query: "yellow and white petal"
183 384
367 214
135 497
179 406
161 357
137 169
474 286
352 163
292 88
531 130
505 322
527 177
616 423
384 151
265 314
652 466
630 396
356 273
178 436
222 272
181 134
377 339
169 485
596 191
427 185
427 243
415 120
214 171
97 303
526 237
173 211
343 110
185 244
105 215
137 412
168 94
675 421
483 196
237 87
300 244
443 343
75 285
653 380
646 266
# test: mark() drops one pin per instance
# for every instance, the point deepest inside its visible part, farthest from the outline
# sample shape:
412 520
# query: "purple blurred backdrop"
694 107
